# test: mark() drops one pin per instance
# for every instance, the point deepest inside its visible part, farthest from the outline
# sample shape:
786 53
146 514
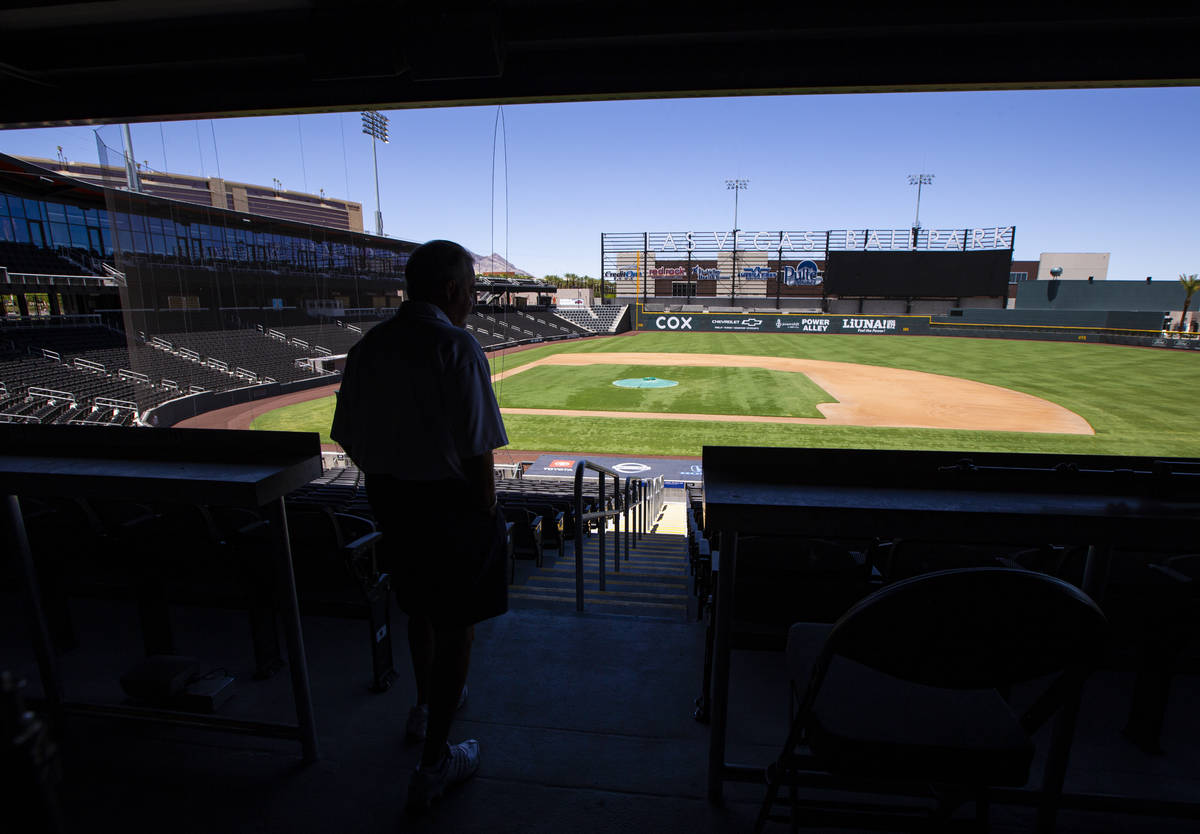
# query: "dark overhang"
142 60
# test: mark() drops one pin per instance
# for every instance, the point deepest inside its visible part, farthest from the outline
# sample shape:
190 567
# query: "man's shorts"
446 558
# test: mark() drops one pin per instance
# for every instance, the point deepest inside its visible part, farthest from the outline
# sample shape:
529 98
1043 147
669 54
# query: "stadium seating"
337 337
486 332
546 505
525 527
548 326
603 319
517 326
91 362
263 357
78 364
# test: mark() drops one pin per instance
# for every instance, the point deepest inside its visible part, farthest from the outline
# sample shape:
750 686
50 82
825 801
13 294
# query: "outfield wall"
1109 319
1090 331
781 323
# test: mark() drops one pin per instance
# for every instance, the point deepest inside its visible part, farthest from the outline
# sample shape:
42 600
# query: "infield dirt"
868 395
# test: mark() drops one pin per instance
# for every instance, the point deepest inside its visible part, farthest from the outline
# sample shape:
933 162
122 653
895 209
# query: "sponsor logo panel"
790 323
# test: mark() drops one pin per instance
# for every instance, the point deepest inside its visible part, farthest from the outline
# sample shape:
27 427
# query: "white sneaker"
418 719
429 784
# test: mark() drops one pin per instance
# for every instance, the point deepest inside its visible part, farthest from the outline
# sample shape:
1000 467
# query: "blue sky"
1074 170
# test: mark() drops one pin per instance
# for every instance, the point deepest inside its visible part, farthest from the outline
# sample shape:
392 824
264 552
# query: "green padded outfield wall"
1148 296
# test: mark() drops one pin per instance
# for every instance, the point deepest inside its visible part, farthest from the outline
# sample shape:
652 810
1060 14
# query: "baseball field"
842 391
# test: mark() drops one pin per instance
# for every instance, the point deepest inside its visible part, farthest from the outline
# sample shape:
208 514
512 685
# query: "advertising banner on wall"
783 323
671 469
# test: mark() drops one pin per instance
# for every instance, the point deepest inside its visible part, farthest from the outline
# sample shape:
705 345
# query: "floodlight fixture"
375 125
736 186
919 180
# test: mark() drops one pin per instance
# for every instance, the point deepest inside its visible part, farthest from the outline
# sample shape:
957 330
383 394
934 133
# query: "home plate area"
685 470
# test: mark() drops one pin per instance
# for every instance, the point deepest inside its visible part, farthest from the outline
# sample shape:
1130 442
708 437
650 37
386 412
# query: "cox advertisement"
784 323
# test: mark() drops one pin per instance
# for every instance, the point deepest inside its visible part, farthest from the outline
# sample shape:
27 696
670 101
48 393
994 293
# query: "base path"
868 395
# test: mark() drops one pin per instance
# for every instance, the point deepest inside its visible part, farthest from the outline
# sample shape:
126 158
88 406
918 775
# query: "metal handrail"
639 501
602 515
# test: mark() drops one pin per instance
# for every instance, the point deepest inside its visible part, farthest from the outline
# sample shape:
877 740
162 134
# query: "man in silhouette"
417 414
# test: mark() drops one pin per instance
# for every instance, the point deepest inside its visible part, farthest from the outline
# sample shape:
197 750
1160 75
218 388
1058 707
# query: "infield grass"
700 390
1140 401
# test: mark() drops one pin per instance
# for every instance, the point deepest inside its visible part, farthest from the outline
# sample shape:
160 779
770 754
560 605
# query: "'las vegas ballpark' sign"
833 240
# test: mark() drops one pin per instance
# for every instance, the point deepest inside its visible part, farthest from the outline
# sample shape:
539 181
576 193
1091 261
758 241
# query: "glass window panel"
3 206
33 210
6 230
16 207
20 231
56 212
60 235
75 214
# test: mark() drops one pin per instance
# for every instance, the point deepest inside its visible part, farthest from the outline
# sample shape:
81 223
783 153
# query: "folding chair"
527 538
901 696
336 572
782 579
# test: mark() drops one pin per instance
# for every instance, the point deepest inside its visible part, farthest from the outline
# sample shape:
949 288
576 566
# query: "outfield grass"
700 390
1140 401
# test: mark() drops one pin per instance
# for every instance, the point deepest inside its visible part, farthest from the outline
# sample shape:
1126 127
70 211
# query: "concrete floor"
584 722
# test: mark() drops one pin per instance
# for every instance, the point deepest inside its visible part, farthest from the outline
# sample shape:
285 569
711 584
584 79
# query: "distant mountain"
496 263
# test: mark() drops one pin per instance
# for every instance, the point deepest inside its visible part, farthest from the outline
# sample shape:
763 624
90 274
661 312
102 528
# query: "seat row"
166 554
918 662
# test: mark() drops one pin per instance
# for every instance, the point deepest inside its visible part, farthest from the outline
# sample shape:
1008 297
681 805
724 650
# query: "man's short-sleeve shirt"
416 398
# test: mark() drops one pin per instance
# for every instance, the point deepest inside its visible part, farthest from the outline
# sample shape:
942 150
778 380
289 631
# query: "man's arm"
482 480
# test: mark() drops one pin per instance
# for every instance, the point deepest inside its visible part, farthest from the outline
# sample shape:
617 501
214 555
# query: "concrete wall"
933 307
1076 266
584 294
982 301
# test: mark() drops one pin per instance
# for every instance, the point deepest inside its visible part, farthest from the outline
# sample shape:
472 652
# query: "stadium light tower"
375 125
919 180
735 186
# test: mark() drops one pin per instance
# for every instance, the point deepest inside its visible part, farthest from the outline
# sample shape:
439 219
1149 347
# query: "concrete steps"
652 582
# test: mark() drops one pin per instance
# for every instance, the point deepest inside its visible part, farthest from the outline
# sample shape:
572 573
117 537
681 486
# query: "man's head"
443 273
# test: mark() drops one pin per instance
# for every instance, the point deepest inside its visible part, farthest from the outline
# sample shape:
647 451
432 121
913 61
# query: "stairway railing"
639 502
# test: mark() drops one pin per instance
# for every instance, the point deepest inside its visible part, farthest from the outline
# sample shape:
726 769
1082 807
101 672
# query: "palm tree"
1190 285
